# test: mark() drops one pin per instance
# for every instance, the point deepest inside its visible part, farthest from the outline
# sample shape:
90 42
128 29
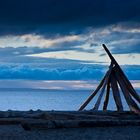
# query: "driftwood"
114 79
69 119
107 96
96 107
78 124
129 86
131 103
116 93
93 94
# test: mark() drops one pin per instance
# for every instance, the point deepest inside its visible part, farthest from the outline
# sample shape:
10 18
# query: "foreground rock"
31 120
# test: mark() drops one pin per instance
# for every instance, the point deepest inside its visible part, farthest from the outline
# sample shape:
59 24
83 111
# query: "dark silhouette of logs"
92 95
113 79
107 96
116 93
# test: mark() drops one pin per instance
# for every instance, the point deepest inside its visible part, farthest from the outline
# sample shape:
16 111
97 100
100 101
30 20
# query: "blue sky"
61 40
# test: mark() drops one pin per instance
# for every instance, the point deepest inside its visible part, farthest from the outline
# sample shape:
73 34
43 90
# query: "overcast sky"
61 39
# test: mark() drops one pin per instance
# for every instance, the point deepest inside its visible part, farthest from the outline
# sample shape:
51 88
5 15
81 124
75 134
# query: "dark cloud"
20 51
11 51
126 49
61 16
23 55
38 61
121 38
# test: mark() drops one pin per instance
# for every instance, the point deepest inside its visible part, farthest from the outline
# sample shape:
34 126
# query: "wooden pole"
127 82
110 55
106 100
130 87
104 86
97 104
113 77
132 105
116 93
92 95
107 96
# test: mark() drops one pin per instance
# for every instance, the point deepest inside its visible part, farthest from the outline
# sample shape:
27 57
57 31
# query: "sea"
29 98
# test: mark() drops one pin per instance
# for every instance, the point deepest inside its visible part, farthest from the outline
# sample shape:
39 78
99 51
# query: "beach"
69 125
10 132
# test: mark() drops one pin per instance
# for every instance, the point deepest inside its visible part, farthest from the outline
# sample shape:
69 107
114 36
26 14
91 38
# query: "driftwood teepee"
115 79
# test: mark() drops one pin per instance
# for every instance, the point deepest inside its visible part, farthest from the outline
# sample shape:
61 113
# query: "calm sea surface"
48 100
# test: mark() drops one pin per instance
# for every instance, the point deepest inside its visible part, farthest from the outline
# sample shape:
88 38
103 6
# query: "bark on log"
107 96
116 93
129 86
132 105
92 95
96 107
97 104
79 124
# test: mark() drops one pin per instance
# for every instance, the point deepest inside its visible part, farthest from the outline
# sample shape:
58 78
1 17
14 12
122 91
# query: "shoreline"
69 119
69 125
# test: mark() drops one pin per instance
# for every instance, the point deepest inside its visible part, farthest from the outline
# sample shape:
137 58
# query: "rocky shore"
69 125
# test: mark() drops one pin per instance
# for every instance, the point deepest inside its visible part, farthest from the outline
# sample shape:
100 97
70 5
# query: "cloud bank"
61 72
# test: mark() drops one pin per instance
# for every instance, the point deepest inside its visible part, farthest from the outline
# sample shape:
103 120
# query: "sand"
16 132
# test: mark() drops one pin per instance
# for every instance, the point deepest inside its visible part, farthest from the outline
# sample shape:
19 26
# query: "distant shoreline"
49 90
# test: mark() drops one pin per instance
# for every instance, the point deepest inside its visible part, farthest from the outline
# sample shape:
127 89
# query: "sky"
62 40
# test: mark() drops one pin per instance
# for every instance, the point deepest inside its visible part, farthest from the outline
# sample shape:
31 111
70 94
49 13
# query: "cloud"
22 51
127 49
38 40
46 73
121 38
65 17
73 29
37 85
64 70
33 44
133 72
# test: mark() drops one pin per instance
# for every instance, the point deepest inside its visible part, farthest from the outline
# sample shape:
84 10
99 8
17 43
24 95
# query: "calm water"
47 100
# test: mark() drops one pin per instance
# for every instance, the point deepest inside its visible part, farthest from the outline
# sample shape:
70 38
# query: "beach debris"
116 80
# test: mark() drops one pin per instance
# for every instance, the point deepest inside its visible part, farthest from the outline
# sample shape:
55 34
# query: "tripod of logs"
116 80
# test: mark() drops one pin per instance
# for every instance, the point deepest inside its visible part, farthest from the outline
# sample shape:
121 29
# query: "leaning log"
92 95
129 86
132 105
116 93
107 96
